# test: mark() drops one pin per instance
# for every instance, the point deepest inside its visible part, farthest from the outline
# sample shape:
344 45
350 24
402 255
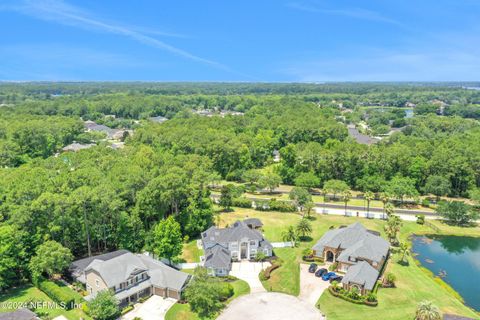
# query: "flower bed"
361 300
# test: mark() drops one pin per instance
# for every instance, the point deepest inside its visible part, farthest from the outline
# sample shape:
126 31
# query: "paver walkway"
248 271
311 287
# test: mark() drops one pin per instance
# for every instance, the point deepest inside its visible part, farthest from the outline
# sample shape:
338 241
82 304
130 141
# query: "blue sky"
262 40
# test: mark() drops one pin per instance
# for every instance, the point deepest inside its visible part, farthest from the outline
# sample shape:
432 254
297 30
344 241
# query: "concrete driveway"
248 271
270 305
154 308
311 287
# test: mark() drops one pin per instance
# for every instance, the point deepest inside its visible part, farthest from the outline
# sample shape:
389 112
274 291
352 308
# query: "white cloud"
64 13
357 13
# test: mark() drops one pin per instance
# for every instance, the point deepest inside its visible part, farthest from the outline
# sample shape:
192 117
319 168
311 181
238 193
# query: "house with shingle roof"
357 251
19 314
130 276
240 241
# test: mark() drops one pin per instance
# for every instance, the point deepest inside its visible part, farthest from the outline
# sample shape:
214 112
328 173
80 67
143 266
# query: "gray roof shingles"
363 274
215 242
116 267
355 241
20 314
218 257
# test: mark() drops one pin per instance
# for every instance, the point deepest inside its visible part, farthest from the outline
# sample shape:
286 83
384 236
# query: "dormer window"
97 283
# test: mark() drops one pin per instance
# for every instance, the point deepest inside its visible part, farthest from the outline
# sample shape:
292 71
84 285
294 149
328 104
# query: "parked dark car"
327 276
336 278
320 272
312 268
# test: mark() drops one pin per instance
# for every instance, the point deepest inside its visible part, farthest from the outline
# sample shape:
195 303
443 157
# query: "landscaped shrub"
225 290
242 203
343 294
126 309
389 280
143 299
371 297
426 203
282 206
56 293
333 266
421 219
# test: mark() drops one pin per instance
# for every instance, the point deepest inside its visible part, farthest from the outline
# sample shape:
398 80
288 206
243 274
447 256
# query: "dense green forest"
100 199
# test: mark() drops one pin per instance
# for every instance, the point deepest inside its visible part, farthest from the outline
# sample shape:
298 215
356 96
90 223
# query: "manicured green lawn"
413 284
240 288
29 293
190 252
182 311
285 279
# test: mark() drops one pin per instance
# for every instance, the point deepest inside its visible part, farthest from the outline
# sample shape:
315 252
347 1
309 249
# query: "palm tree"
392 228
385 198
426 310
308 209
346 196
404 250
369 196
304 228
290 235
389 209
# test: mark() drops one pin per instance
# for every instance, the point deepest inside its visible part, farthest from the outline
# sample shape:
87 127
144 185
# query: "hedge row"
126 310
57 294
344 297
242 203
274 205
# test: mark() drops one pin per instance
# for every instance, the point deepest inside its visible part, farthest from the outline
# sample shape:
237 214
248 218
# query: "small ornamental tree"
300 196
104 306
204 294
335 187
270 181
51 258
167 239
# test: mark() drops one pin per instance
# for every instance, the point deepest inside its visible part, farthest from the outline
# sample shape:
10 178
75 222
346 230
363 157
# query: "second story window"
97 283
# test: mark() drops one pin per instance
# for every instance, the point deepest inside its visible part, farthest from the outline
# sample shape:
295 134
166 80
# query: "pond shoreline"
430 273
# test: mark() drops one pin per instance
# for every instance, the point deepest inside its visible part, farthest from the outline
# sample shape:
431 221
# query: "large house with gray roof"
130 276
359 252
240 241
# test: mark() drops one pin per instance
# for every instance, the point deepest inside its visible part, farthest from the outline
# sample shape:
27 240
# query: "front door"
243 250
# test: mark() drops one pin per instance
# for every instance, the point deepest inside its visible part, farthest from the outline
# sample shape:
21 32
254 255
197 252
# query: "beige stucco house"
358 252
129 276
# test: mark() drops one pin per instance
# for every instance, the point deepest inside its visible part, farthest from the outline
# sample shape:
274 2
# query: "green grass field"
29 293
190 252
413 284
